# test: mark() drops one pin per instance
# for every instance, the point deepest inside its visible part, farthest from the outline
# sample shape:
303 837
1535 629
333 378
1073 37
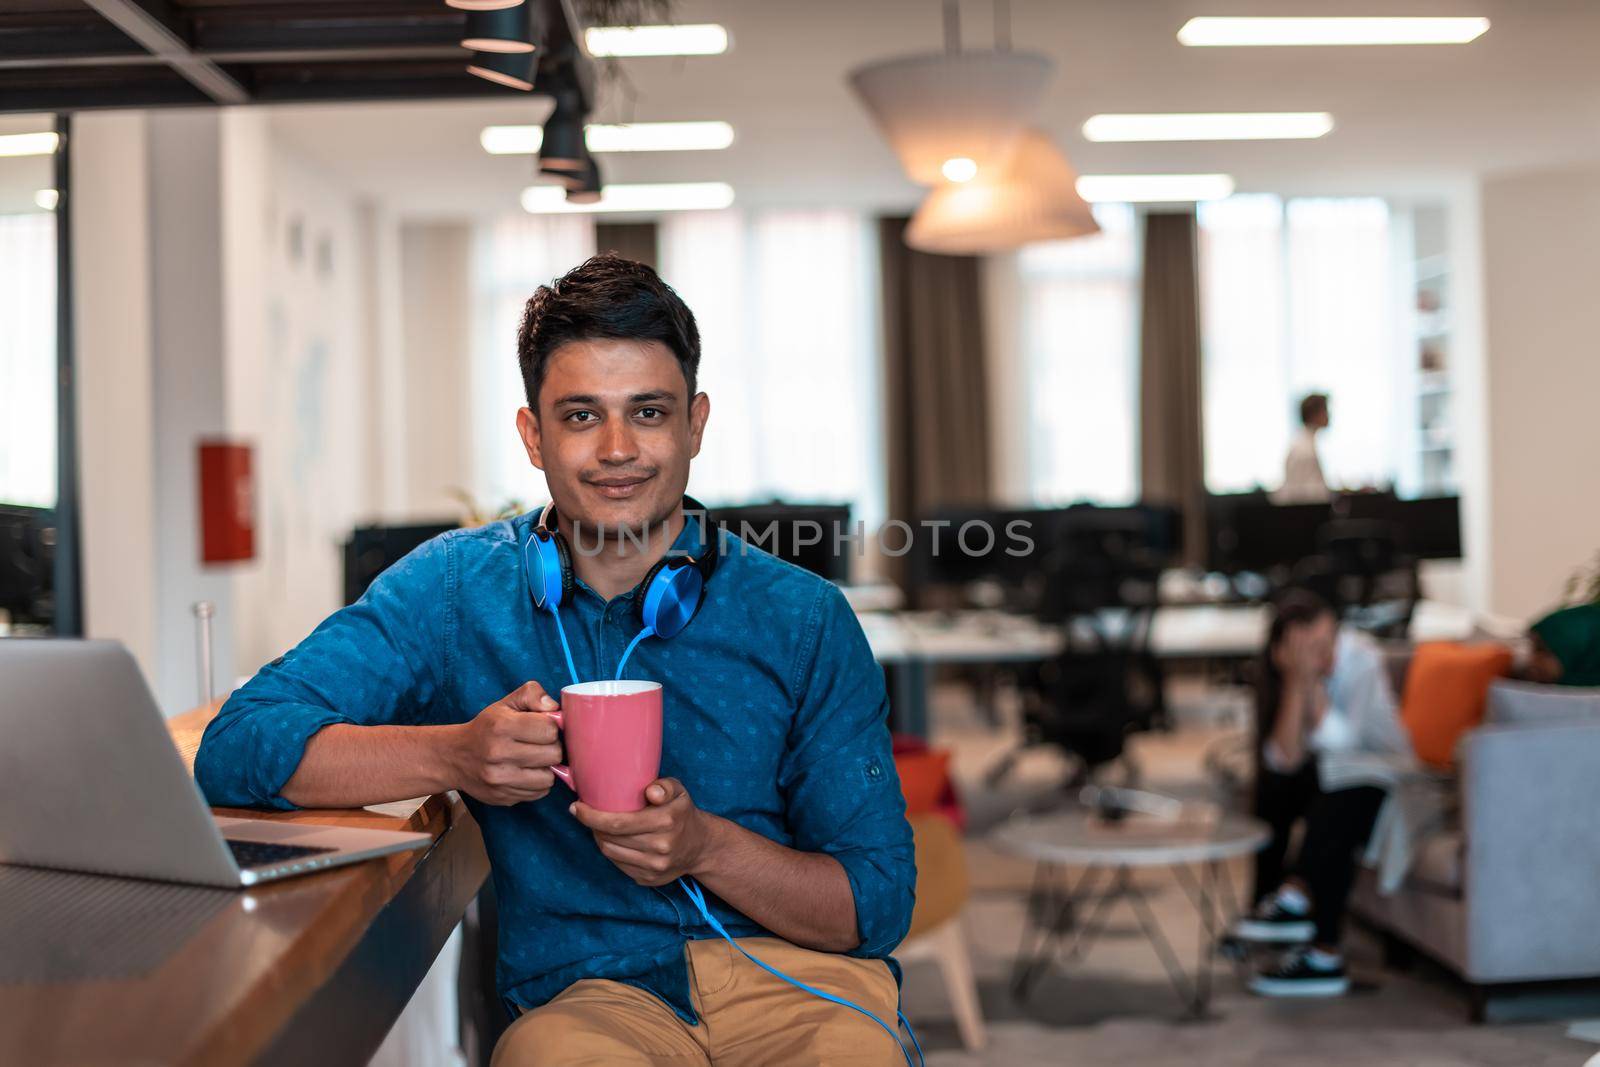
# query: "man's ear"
699 411
528 430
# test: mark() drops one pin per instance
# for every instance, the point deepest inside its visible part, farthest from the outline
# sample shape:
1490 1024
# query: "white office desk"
912 642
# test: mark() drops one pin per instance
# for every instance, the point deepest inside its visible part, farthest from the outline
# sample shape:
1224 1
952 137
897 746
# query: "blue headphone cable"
697 898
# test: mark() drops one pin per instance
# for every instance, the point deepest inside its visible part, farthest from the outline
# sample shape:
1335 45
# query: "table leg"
907 681
1062 904
1189 992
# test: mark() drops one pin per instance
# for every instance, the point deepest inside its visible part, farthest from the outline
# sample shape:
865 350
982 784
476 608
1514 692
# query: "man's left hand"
657 845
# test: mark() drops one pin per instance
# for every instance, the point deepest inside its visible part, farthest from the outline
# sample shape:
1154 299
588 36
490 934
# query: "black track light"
563 148
587 189
511 29
514 69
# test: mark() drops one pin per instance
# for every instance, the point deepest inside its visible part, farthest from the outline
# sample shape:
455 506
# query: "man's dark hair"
604 297
1313 405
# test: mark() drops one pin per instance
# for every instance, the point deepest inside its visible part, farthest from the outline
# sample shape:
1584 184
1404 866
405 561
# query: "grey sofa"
1511 896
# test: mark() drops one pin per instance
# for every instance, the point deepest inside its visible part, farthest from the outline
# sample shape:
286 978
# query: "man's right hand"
503 756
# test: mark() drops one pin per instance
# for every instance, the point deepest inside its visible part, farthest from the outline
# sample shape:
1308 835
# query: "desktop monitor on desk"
1247 532
27 564
1430 526
959 547
817 537
371 550
1031 544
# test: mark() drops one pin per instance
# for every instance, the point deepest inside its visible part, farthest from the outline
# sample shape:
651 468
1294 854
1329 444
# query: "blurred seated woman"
1323 690
1566 647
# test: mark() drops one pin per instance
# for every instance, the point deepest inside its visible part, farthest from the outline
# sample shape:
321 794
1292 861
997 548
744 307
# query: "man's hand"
503 756
657 845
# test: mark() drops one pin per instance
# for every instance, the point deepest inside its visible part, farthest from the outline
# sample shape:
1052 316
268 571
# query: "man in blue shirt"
777 791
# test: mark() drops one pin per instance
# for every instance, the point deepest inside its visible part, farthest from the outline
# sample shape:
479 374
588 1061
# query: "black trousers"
1337 826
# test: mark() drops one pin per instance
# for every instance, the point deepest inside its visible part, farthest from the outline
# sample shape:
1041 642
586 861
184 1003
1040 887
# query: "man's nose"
618 444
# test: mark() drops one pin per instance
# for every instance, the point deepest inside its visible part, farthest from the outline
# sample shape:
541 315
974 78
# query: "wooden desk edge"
258 1019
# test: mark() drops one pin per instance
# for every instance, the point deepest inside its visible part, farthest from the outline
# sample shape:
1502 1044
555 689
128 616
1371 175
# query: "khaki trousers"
747 1016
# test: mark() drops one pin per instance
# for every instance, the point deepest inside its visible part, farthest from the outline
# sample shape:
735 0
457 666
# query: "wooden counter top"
312 969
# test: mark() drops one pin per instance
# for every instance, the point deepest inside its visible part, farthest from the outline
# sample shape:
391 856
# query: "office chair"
1362 570
1105 684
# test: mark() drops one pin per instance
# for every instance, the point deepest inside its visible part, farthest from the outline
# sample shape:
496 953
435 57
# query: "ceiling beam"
151 23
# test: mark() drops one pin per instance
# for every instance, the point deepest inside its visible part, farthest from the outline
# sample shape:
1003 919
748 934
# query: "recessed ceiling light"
632 137
705 39
1153 188
47 198
1212 31
1218 126
28 144
959 169
661 196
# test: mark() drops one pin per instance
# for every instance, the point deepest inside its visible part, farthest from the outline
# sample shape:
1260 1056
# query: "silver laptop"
91 781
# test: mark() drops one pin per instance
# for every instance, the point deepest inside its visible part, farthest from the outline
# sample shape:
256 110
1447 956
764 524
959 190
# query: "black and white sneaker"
1275 924
1303 972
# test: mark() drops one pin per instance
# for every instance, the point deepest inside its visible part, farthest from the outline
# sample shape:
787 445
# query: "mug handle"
561 770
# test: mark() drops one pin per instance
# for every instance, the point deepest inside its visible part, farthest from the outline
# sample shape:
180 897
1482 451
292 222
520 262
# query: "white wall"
112 331
186 288
1541 285
223 290
436 317
297 381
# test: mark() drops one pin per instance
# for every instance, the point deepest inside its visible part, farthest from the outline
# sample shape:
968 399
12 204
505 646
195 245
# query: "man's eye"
651 413
582 416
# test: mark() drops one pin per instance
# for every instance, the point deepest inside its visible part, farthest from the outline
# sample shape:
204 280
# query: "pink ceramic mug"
612 732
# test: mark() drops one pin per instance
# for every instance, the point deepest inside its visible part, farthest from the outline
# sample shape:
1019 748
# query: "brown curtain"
631 240
1171 460
936 385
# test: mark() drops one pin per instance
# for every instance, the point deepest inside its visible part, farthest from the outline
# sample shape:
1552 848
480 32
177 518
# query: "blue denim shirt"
776 718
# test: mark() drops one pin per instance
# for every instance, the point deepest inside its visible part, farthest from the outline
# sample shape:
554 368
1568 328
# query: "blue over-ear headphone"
666 599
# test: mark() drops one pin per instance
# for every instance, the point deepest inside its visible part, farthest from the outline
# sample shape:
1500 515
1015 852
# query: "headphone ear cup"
549 569
670 595
564 562
644 604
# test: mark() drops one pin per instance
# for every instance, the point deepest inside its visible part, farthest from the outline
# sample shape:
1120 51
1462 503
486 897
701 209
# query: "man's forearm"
803 897
348 766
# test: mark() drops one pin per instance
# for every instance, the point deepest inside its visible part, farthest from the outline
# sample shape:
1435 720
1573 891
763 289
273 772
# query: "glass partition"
30 403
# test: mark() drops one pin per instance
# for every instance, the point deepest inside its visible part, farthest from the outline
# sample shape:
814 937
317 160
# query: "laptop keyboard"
261 854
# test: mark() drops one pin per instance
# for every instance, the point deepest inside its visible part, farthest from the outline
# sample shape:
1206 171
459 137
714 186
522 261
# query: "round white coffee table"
1195 843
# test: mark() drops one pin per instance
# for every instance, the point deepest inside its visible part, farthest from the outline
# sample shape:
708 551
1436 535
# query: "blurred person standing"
1303 482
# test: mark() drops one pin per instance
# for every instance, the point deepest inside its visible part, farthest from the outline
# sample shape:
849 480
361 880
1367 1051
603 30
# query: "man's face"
614 433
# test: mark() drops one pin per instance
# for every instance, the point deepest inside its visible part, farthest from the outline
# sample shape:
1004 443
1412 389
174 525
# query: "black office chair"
1362 569
1105 684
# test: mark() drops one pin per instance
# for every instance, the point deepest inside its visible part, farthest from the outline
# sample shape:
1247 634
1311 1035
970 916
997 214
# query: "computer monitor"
371 550
1430 527
1152 534
958 547
27 564
816 537
1247 532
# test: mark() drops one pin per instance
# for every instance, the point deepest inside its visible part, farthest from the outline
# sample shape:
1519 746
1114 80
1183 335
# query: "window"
785 302
1298 297
1080 345
28 360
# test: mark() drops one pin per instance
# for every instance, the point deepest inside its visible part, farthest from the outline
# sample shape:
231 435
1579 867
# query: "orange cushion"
923 777
1446 689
